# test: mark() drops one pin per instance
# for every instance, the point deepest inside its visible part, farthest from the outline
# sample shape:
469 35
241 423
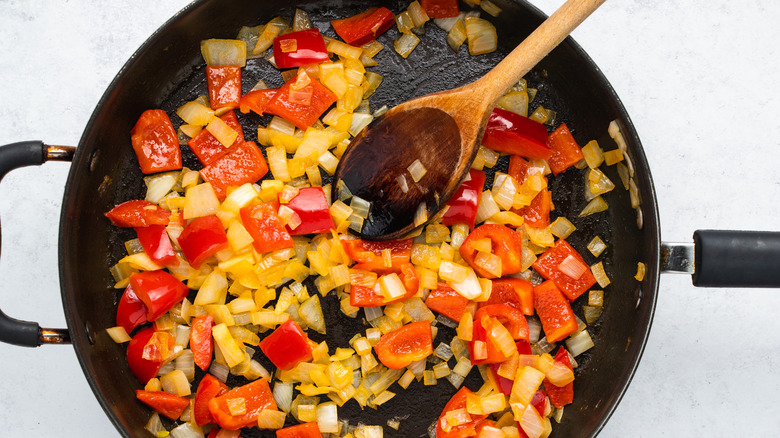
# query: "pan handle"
723 258
14 156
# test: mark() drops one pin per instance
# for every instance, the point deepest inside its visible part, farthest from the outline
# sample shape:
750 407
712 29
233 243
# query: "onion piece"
327 417
118 334
195 113
490 7
270 419
579 343
218 52
600 274
572 267
187 430
596 246
531 422
597 205
300 20
481 35
406 44
154 425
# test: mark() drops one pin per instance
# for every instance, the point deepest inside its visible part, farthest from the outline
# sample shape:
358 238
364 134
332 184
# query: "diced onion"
270 419
641 268
406 44
487 206
359 121
154 425
572 267
456 33
224 52
195 113
327 417
175 382
482 36
579 343
597 205
596 246
531 422
600 274
469 287
490 7
118 334
421 215
159 185
187 430
200 200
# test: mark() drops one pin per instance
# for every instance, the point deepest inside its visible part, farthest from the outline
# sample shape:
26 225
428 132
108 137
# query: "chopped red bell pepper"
257 397
480 333
170 405
287 346
440 8
300 114
262 223
206 147
257 100
146 369
554 312
241 163
446 301
208 388
224 84
305 430
518 168
514 292
462 207
514 134
368 253
311 206
510 317
404 345
299 48
506 244
131 311
362 296
138 213
159 291
155 142
157 245
537 214
364 27
458 401
560 396
566 151
202 238
547 265
201 342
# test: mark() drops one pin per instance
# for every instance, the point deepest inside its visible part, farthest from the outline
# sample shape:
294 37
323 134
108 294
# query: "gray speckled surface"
699 79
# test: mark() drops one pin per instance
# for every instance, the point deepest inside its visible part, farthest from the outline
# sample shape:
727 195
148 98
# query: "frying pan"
78 316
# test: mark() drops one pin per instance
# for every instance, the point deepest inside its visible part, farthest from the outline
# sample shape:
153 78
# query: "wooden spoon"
443 131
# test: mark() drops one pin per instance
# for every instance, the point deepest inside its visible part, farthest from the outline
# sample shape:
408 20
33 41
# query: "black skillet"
168 70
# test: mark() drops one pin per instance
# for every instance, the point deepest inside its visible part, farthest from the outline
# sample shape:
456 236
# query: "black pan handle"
736 258
14 156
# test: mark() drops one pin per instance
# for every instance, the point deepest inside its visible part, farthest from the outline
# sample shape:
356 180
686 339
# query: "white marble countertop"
700 80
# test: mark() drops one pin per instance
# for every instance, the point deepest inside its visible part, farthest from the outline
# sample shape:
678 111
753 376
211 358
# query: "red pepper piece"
287 346
446 301
224 84
299 114
158 290
458 401
311 206
537 214
305 430
368 253
202 238
295 49
514 292
157 245
404 345
514 134
262 223
566 151
138 213
207 148
155 142
361 296
462 207
257 397
518 168
257 100
539 401
510 317
560 396
144 369
364 27
208 388
547 266
241 163
506 244
170 405
201 342
131 311
440 8
554 312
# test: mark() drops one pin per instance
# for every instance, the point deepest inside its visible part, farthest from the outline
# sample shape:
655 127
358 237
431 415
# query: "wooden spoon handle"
534 48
